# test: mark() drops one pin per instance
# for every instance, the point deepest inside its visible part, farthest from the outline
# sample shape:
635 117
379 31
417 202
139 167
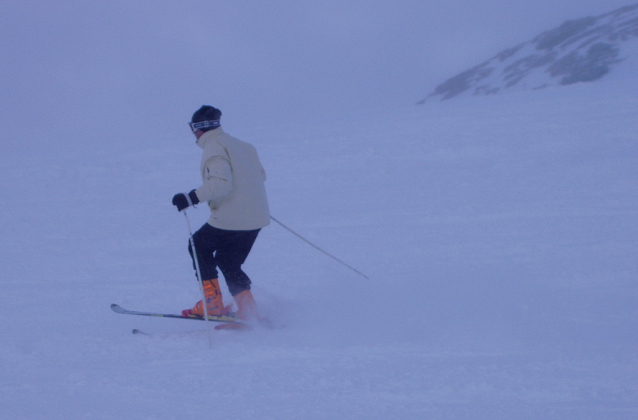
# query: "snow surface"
500 235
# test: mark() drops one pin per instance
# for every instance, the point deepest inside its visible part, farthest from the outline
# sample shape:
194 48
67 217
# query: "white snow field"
500 235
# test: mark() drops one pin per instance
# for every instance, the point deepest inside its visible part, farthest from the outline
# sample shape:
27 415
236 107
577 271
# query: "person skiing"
233 185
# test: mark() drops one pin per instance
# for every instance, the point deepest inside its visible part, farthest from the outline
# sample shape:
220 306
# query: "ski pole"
199 277
319 249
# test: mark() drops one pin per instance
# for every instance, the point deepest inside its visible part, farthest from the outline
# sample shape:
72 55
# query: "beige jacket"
233 182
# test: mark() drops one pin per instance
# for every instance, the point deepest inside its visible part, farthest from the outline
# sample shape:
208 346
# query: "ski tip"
116 308
136 331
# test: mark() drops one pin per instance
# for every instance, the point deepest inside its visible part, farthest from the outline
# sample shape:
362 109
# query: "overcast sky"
125 63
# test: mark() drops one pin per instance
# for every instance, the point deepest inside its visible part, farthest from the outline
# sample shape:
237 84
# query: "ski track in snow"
499 234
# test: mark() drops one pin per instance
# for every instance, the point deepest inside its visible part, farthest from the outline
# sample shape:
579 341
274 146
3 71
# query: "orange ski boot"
246 312
246 306
214 301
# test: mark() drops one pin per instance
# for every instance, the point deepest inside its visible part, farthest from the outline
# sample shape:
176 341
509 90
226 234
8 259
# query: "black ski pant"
226 249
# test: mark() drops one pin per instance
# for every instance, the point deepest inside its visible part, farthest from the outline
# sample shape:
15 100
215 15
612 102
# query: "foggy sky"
132 67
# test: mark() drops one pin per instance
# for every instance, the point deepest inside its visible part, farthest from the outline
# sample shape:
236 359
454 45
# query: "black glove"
183 201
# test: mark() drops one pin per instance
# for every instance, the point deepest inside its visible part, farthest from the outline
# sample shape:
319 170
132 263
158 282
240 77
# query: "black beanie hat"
206 113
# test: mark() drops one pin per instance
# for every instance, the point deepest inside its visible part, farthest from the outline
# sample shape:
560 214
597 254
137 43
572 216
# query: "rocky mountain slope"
581 50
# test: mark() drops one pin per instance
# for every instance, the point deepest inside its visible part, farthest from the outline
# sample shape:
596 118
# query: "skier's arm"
218 180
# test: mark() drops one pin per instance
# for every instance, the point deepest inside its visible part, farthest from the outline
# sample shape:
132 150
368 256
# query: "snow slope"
581 50
500 235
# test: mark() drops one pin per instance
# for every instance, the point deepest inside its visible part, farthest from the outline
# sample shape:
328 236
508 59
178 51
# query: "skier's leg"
230 258
206 242
231 253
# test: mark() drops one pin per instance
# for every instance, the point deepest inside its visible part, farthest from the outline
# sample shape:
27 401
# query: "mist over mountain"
581 50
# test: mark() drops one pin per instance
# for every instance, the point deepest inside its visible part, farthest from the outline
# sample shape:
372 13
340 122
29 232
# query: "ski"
215 318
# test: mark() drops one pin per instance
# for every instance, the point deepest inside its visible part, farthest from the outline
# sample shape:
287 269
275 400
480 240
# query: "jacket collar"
209 135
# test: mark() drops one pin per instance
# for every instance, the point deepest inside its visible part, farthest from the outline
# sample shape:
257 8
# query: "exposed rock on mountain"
581 50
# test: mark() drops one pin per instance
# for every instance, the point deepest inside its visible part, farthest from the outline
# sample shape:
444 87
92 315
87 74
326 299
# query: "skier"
233 185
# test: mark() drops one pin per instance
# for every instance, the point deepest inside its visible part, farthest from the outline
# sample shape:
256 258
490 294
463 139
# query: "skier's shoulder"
234 145
214 143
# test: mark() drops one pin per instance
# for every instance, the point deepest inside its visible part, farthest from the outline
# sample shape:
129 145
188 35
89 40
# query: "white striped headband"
203 124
